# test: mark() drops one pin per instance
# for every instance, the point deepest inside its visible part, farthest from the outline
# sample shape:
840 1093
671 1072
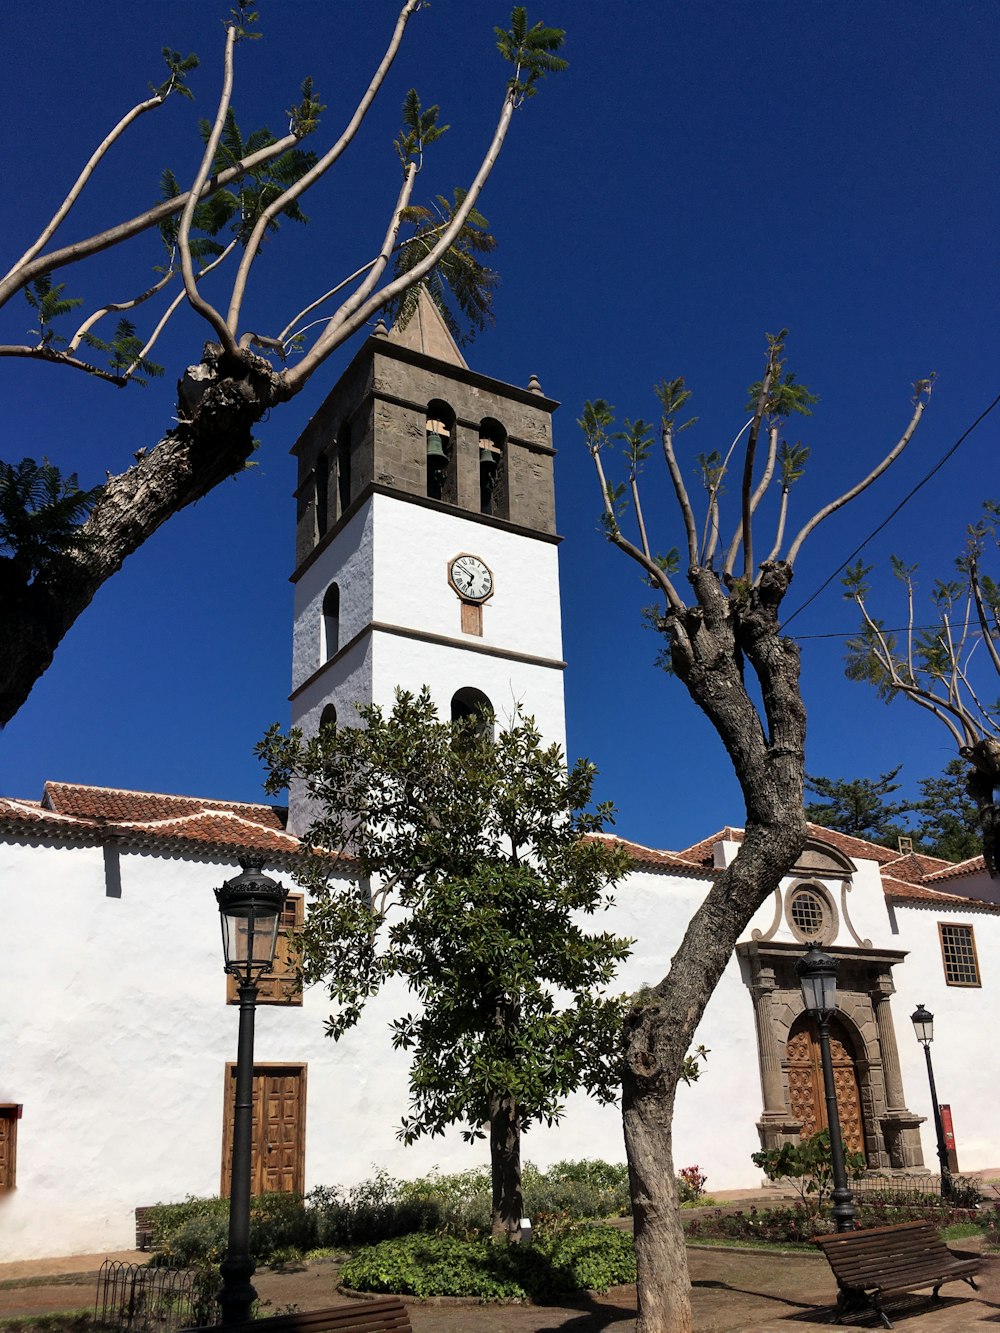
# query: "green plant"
690 1185
807 1164
580 1259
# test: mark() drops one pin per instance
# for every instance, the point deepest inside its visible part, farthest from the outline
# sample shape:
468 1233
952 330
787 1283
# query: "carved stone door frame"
864 988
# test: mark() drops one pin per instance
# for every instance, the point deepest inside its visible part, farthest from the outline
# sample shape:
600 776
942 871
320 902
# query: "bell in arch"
436 433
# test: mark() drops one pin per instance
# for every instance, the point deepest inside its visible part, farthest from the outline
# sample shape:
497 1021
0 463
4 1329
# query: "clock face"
471 578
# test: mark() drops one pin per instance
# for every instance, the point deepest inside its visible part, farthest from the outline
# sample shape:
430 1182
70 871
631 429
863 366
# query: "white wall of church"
964 1016
123 1036
348 562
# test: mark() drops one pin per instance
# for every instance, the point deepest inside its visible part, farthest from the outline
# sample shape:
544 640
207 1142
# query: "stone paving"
734 1291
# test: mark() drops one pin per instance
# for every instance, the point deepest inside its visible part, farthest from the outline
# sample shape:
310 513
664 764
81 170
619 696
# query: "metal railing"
133 1298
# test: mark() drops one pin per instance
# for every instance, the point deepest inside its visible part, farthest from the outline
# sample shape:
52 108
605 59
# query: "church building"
427 554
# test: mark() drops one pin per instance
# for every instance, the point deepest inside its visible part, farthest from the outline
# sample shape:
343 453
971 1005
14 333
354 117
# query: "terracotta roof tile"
899 891
82 813
704 852
914 867
115 804
651 856
975 865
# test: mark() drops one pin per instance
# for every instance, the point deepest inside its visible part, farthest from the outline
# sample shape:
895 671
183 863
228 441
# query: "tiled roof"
113 804
73 812
899 891
652 857
914 867
975 865
703 853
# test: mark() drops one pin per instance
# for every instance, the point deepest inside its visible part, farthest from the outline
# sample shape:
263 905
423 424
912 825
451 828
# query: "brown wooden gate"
805 1081
277 1162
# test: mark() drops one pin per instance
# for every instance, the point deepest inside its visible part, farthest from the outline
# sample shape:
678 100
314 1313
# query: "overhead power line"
888 519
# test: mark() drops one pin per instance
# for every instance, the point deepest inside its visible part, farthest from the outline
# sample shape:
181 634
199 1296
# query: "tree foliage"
221 219
858 807
475 876
949 667
942 822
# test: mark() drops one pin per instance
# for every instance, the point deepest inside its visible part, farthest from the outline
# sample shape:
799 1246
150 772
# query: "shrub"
798 1224
584 1258
690 1185
285 1225
197 1230
807 1164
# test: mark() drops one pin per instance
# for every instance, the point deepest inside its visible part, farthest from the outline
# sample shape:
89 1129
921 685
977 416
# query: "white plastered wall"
964 1017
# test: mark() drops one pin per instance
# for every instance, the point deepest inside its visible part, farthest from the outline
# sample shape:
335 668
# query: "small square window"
958 952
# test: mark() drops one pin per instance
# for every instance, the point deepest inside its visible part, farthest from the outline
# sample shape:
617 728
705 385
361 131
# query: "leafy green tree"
949 669
949 818
222 215
858 806
477 846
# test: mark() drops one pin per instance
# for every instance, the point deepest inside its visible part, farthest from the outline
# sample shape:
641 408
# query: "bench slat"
382 1316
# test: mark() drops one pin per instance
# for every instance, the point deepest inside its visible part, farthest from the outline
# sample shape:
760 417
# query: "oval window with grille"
808 912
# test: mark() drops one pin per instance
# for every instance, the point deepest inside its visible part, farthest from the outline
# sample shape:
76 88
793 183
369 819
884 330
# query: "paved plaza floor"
734 1291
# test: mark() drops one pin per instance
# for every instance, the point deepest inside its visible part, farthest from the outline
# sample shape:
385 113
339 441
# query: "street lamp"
817 973
250 906
923 1026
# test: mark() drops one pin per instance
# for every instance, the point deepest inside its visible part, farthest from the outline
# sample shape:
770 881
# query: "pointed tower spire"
427 332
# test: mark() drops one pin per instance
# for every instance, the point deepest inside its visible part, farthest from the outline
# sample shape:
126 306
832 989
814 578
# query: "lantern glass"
250 908
923 1025
818 978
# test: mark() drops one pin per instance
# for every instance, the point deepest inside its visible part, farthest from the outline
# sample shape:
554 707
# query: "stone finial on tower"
381 329
534 386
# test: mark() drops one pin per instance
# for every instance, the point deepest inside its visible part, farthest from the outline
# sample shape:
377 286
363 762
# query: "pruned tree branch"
319 169
922 398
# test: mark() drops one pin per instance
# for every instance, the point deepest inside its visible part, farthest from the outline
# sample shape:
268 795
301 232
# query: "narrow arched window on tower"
440 446
331 622
322 479
328 718
492 468
473 704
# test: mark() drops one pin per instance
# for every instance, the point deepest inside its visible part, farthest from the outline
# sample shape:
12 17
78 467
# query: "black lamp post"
923 1026
250 906
817 973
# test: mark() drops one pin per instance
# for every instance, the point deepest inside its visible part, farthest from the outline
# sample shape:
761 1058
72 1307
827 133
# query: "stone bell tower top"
409 418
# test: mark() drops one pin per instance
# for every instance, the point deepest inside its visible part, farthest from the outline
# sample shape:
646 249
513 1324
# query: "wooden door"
277 1162
805 1082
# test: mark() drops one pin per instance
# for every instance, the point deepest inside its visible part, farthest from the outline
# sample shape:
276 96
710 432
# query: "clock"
471 578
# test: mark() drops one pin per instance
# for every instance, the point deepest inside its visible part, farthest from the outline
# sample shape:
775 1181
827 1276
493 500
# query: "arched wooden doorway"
805 1081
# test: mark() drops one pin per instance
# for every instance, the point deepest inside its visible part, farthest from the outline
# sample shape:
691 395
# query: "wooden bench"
881 1261
386 1315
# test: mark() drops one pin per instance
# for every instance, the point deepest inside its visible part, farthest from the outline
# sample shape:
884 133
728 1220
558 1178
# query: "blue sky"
700 175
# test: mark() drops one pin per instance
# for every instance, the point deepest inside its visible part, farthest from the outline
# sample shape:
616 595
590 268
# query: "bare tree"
946 667
727 622
243 372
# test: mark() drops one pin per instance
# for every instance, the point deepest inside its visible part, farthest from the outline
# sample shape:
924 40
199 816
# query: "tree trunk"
709 646
505 1166
219 404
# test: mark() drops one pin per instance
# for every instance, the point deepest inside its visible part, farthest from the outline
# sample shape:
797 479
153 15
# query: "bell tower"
426 549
